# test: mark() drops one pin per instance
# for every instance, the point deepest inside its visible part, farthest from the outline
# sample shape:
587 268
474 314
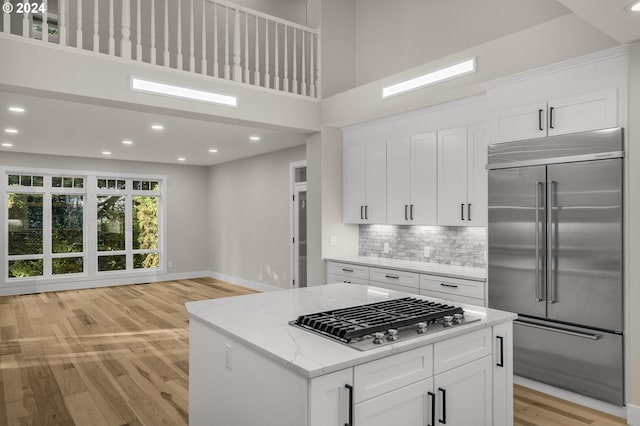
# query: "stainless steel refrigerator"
555 257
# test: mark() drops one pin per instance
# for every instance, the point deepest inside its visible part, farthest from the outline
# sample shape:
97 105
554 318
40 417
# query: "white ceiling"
609 16
58 127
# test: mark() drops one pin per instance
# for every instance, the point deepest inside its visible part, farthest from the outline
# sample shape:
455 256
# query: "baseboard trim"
32 288
633 415
254 285
595 404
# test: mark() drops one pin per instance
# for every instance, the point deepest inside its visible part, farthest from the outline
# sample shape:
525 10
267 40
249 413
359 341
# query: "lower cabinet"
466 389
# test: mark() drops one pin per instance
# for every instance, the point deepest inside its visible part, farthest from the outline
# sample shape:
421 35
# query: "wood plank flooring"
119 356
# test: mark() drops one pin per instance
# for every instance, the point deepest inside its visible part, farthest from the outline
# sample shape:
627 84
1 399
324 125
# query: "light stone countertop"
464 272
261 321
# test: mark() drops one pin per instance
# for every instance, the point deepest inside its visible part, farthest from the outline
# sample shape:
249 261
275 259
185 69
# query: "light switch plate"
333 240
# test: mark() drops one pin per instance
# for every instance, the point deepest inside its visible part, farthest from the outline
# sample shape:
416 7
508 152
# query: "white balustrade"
278 54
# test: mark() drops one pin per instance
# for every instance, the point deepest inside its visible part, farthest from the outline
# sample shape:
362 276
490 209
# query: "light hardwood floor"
119 356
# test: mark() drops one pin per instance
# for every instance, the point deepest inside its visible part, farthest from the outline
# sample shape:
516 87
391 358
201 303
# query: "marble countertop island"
261 322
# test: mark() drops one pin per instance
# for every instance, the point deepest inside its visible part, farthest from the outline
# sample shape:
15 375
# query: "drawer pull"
347 270
449 285
395 277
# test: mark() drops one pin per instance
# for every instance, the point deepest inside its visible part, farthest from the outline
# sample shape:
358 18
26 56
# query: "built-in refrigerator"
555 256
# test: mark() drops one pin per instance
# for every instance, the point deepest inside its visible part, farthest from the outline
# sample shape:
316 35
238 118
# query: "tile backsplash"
453 245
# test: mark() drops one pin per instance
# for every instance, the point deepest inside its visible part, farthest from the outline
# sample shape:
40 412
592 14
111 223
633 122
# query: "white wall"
248 214
187 201
392 36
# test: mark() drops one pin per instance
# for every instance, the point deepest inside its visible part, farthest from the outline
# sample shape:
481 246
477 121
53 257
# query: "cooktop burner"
367 326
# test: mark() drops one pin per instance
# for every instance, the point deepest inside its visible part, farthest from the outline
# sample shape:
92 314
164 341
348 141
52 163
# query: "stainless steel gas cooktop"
372 325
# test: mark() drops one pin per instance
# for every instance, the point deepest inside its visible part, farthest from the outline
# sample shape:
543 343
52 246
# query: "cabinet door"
329 399
477 175
463 395
581 113
503 374
398 180
452 177
524 122
353 183
407 406
376 181
424 179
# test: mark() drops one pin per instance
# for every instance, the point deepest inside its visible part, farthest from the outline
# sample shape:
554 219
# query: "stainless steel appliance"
555 257
372 325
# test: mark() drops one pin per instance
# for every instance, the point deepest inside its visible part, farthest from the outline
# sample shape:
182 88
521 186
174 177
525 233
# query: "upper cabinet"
589 111
412 180
365 181
462 187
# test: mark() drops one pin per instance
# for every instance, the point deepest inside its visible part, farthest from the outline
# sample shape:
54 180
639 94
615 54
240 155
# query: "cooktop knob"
422 327
458 318
448 320
378 338
392 334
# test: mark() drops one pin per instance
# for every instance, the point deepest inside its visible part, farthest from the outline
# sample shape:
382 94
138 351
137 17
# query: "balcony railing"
209 37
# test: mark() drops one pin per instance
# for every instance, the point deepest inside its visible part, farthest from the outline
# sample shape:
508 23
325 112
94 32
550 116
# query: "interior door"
516 240
585 243
300 235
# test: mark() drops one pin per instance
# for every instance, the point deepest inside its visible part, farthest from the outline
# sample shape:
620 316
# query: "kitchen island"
249 366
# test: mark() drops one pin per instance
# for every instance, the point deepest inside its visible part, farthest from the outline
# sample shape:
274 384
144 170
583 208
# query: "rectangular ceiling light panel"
182 92
457 70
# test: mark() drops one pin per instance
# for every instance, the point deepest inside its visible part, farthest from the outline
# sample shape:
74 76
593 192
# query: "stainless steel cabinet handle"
411 212
395 277
540 120
559 330
406 214
433 408
501 363
449 285
443 418
537 231
551 251
350 389
462 211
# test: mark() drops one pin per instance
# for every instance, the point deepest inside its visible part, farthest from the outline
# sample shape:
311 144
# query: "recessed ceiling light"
106 152
11 130
254 138
127 142
157 127
7 144
635 7
182 92
213 150
16 109
457 70
182 159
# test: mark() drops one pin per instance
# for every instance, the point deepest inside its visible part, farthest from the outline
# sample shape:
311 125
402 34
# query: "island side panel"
232 384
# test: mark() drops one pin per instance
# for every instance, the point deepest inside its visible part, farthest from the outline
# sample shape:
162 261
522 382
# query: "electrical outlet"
333 240
227 356
427 251
385 248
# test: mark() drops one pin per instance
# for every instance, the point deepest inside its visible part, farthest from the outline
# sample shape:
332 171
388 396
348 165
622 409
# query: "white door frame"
293 219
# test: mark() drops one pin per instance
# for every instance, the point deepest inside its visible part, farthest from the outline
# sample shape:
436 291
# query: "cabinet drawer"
455 286
395 287
347 270
391 276
460 350
452 297
335 278
384 375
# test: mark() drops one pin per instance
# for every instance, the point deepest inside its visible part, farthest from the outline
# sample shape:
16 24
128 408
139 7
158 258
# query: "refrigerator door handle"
551 238
537 231
559 330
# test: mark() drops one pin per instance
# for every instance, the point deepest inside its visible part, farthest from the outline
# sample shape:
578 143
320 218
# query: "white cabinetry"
503 374
462 177
589 111
393 279
330 398
453 289
346 273
365 181
412 180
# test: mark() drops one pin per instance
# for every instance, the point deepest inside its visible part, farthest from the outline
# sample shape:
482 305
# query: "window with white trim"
64 225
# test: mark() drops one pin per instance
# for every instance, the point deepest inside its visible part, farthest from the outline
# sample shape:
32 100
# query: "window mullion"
91 226
128 227
46 227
